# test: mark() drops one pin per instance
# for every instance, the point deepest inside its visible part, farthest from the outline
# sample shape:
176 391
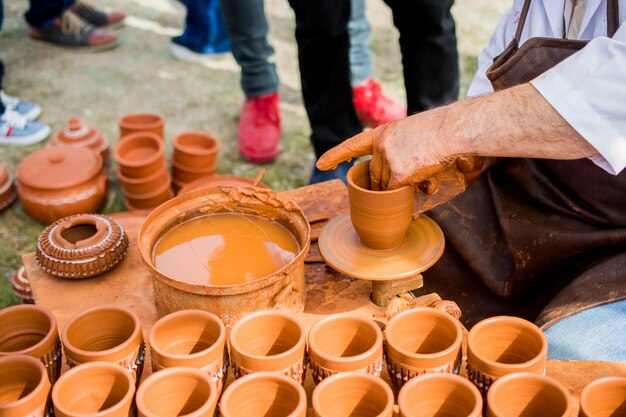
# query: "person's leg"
205 31
359 33
42 12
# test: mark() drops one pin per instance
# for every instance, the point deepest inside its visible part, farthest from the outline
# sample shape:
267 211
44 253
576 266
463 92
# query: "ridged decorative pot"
21 286
7 189
24 387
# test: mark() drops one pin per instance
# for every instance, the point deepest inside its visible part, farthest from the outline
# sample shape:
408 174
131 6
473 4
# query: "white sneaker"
17 130
27 109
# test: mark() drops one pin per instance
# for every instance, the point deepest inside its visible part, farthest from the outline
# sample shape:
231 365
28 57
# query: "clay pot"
180 391
149 200
24 387
352 394
183 175
218 180
81 246
141 122
502 345
192 338
7 189
143 185
94 389
140 155
264 394
31 330
528 395
195 150
21 286
105 333
268 341
604 397
436 395
283 290
422 340
53 183
345 343
79 135
380 218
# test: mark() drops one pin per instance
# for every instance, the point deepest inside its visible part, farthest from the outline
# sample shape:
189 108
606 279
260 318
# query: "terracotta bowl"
21 286
99 389
218 180
7 189
140 155
352 394
195 149
436 395
185 175
79 135
528 395
141 122
151 199
264 394
24 387
269 341
193 338
143 185
345 343
604 397
31 330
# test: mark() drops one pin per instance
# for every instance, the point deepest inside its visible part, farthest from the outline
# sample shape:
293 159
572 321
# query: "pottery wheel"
342 249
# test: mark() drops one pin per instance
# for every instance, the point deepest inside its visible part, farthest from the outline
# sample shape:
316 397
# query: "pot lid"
54 168
76 133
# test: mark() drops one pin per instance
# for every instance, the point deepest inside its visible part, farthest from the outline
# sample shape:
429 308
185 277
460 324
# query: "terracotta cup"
105 333
24 387
140 155
31 330
422 340
435 395
184 175
269 341
502 345
191 338
150 200
528 395
143 185
604 397
141 122
179 391
380 218
352 394
264 394
99 389
345 343
196 149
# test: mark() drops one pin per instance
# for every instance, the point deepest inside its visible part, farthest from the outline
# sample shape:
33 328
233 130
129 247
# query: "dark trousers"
42 12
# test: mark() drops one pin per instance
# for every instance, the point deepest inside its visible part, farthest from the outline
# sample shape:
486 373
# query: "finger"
466 164
385 176
353 147
376 167
429 186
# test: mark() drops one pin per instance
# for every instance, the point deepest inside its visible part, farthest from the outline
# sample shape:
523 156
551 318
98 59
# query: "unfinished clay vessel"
94 389
422 340
140 155
218 180
143 185
195 150
528 395
53 183
268 341
345 343
180 391
353 394
151 199
81 246
21 286
193 338
183 175
105 333
24 387
435 395
264 394
79 135
31 330
380 218
502 345
604 397
141 122
7 189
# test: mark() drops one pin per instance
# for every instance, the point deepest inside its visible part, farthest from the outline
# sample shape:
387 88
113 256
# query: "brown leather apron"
534 234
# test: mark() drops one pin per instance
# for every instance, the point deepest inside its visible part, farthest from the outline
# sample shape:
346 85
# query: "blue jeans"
205 30
42 12
360 53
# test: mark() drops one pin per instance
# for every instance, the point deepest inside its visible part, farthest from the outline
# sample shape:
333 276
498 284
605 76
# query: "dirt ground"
140 75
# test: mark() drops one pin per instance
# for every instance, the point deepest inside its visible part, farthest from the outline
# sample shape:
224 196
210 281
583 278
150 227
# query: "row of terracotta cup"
194 157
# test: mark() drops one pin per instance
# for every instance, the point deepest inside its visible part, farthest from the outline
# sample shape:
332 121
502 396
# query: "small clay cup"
140 155
380 218
99 389
268 341
195 150
141 122
345 343
31 330
502 345
352 394
528 395
604 397
264 394
434 395
24 387
105 333
143 185
192 338
149 200
422 340
185 175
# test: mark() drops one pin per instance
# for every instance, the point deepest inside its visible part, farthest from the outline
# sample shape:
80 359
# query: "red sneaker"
259 129
373 107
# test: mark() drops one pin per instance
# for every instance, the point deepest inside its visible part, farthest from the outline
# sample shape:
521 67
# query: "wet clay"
224 249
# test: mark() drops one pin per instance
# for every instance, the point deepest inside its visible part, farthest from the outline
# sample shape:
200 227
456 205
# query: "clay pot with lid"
604 397
31 330
141 122
7 189
192 338
53 183
268 341
140 155
24 387
264 394
21 286
345 343
218 180
79 135
195 150
94 389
